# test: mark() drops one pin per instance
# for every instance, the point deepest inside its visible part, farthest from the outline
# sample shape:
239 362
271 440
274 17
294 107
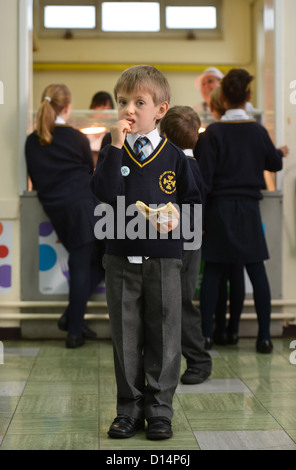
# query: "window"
70 17
131 16
191 17
163 18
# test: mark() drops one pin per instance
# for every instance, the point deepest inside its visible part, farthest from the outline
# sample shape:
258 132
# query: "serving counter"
44 260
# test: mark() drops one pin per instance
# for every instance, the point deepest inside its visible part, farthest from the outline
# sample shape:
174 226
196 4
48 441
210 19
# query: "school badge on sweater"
167 182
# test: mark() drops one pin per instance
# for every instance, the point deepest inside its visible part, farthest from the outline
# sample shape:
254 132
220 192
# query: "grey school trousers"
193 342
144 303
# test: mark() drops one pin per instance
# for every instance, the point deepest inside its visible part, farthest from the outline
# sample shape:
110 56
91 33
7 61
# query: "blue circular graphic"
47 257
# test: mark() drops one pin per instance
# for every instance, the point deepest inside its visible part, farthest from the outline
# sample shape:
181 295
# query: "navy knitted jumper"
233 156
61 173
165 176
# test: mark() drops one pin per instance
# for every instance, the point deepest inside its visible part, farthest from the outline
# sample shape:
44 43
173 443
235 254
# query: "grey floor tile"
214 353
244 440
215 386
22 352
11 389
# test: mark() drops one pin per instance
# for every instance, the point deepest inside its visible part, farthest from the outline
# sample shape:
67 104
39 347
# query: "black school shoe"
193 376
73 342
159 428
264 346
208 344
86 331
125 426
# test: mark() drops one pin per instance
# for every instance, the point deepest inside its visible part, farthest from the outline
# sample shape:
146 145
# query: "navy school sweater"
61 171
233 156
165 176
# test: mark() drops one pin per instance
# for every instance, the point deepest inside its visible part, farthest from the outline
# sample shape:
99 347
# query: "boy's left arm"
190 202
188 188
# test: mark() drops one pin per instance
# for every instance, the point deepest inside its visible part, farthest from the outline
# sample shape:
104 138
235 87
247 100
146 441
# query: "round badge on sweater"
125 171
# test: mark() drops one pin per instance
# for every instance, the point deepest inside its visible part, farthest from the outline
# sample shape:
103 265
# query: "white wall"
9 172
289 126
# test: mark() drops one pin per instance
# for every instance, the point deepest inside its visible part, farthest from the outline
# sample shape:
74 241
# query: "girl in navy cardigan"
60 165
233 154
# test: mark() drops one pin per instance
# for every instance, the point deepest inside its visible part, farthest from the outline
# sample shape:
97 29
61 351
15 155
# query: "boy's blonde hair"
144 77
181 125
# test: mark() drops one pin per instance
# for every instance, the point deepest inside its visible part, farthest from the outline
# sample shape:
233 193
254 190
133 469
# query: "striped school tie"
138 145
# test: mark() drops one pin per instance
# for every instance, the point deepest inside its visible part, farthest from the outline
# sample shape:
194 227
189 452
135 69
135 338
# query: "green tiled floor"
52 398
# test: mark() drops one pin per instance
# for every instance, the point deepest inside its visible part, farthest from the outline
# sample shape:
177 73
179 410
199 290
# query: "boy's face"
139 110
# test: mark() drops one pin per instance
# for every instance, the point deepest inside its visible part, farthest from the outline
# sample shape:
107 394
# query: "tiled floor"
53 398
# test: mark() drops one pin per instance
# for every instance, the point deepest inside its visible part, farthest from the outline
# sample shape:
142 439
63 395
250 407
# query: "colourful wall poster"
53 263
5 257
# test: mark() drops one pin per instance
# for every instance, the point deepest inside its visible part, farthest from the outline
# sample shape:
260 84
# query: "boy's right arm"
107 181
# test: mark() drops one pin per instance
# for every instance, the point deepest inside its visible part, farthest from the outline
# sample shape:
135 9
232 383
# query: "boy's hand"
164 227
119 131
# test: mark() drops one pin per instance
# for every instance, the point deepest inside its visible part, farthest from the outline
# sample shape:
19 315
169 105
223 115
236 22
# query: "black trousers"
213 273
193 341
144 303
234 273
86 272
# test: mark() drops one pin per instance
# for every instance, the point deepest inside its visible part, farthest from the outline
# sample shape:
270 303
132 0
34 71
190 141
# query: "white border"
25 71
279 83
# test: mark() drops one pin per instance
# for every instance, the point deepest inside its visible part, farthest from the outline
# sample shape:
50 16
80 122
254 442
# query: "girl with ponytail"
55 100
60 165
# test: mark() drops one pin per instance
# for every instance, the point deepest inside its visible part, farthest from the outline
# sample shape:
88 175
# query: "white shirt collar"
188 152
59 120
235 115
153 136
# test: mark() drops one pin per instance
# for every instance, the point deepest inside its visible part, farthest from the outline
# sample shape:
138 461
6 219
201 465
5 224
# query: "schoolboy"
181 125
143 285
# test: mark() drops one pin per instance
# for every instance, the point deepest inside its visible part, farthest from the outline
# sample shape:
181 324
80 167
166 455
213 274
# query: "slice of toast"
164 213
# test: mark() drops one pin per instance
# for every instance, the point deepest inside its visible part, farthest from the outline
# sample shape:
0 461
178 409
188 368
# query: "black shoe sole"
158 437
192 381
86 332
115 435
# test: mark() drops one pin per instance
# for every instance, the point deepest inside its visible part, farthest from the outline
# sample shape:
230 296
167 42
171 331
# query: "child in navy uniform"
233 155
181 125
143 284
60 165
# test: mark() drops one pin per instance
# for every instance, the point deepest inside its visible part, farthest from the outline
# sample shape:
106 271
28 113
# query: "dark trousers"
193 341
86 272
212 276
234 273
144 303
